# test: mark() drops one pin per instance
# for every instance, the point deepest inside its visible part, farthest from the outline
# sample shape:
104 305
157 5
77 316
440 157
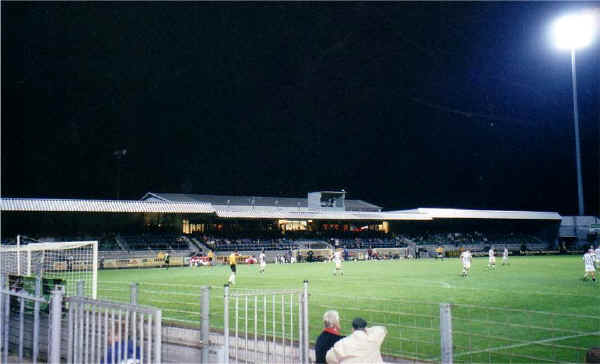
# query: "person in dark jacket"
330 335
167 260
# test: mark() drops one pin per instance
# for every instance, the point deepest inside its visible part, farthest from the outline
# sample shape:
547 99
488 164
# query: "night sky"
403 104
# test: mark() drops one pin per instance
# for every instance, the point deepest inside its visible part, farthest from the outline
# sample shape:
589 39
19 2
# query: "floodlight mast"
575 32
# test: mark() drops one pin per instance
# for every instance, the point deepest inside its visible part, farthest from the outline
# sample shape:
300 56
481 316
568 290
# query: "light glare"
574 31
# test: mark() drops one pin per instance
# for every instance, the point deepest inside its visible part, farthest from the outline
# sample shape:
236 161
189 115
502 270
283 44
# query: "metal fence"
495 334
419 331
199 312
434 332
266 326
109 332
21 315
413 327
78 329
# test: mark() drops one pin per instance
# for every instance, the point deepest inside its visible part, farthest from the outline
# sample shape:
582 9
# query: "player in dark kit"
167 259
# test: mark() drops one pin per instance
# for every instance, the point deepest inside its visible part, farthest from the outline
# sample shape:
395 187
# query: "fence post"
446 332
205 322
2 326
1 314
133 294
6 326
78 342
80 288
54 332
300 328
21 326
36 319
157 337
305 331
226 325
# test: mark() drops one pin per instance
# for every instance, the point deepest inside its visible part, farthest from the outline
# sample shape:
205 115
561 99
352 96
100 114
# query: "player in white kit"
337 259
492 259
505 256
589 260
465 259
262 263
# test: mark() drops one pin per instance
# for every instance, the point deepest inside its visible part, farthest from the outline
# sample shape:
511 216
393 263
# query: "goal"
69 261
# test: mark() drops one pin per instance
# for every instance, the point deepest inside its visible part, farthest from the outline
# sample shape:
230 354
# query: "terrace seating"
108 244
155 242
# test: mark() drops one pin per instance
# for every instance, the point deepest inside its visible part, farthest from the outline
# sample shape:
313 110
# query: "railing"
496 334
97 331
109 332
421 331
9 318
260 326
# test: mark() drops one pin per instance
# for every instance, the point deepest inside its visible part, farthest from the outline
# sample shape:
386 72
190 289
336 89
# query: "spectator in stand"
363 346
330 335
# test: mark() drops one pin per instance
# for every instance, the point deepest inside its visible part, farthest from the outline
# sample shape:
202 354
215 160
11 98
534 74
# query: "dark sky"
403 104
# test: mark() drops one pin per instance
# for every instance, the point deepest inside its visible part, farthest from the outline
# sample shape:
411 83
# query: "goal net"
69 261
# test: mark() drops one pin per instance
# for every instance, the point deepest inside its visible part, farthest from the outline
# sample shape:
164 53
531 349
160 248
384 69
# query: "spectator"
360 347
329 336
115 340
593 356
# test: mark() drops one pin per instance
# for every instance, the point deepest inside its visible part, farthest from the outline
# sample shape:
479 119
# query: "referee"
233 266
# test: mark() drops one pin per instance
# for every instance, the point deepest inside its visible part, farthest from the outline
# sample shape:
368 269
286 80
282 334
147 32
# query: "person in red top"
330 335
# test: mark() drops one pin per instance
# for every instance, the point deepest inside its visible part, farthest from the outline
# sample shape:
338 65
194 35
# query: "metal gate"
110 332
266 326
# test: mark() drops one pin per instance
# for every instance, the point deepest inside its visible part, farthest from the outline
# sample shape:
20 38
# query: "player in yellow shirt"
440 253
233 266
210 256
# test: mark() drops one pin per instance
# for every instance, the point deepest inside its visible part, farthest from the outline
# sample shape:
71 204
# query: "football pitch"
535 309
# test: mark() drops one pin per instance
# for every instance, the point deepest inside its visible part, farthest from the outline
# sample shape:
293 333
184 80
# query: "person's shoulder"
329 336
377 331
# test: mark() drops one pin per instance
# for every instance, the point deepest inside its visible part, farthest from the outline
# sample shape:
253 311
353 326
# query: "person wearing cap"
330 335
363 346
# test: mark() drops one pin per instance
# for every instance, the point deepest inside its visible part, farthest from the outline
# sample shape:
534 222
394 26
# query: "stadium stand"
155 242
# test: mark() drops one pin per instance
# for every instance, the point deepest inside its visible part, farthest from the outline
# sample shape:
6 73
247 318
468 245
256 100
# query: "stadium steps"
121 242
203 248
193 246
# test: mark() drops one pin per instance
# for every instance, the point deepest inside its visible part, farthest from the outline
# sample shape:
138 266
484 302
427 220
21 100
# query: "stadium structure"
189 224
64 243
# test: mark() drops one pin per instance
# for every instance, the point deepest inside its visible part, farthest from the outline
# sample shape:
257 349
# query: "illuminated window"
292 225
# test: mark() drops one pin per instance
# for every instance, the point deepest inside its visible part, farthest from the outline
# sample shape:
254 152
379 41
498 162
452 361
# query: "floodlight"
575 31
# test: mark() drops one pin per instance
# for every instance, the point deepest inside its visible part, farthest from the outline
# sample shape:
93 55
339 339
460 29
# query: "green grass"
533 299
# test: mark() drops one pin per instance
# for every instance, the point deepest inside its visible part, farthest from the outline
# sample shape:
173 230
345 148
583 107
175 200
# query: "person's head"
359 324
118 333
331 319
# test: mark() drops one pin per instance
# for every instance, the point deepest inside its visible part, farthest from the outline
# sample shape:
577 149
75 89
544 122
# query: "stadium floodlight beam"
573 32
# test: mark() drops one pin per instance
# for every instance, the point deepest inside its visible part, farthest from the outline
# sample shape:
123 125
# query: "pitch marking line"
524 344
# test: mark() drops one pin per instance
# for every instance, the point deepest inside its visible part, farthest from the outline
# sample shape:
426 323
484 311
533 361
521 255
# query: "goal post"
70 261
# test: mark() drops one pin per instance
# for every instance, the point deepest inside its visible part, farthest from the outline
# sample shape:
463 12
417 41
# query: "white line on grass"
446 285
522 344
